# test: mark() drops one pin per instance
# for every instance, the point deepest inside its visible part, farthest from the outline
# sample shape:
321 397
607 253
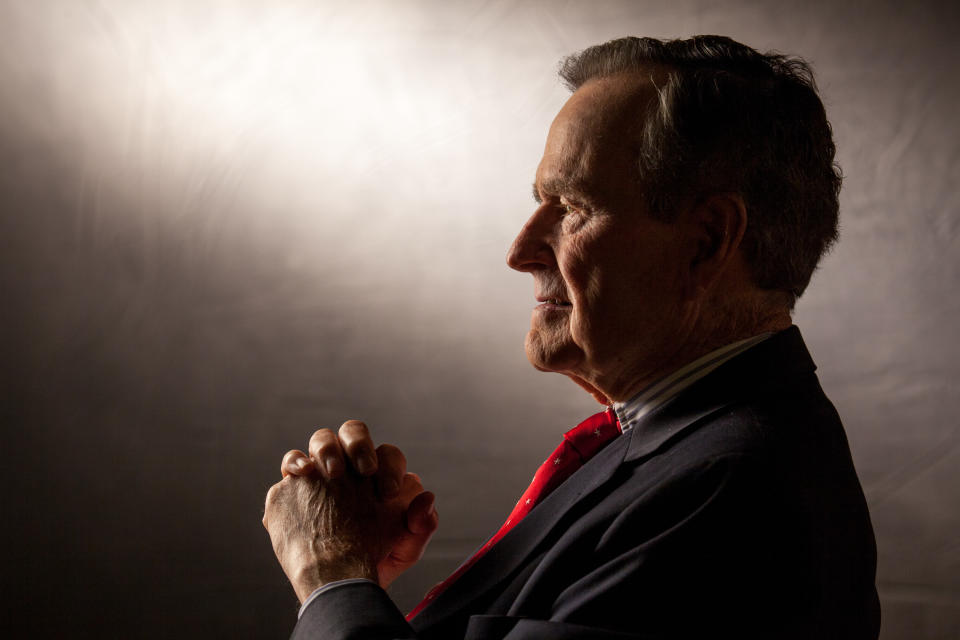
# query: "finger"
295 462
422 516
327 454
410 487
356 441
391 467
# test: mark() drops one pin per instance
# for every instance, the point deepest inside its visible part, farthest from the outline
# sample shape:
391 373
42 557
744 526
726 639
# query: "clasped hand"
347 510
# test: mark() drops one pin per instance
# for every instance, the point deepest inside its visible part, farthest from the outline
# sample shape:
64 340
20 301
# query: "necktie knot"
588 437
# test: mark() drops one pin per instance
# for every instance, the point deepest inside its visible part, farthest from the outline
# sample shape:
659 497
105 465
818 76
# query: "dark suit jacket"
734 511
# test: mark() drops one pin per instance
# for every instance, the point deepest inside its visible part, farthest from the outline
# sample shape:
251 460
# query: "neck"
710 332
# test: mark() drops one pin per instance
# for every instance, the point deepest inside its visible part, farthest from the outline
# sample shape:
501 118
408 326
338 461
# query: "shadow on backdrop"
226 225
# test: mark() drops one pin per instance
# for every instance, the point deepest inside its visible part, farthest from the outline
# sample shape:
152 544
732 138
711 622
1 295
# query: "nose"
531 249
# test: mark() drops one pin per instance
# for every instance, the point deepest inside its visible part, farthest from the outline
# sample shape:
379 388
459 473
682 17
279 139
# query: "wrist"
308 579
305 581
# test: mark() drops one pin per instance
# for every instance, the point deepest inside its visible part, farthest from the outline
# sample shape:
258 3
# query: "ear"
718 222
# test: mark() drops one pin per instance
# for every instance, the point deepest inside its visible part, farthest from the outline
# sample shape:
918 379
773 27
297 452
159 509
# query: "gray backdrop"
227 223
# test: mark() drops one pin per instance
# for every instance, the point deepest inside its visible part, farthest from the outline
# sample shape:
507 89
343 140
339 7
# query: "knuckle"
392 457
322 435
273 493
322 439
291 455
325 448
354 429
389 450
355 448
271 497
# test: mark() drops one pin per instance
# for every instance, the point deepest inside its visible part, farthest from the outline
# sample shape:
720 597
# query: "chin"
548 352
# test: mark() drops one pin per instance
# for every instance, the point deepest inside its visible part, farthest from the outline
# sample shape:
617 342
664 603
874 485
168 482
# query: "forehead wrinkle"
592 143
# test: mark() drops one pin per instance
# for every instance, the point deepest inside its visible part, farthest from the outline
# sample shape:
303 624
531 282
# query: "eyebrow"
557 186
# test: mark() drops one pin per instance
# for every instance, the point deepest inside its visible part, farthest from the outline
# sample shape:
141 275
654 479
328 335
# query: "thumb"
422 521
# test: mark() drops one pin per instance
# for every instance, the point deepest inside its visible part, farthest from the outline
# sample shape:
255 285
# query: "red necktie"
579 445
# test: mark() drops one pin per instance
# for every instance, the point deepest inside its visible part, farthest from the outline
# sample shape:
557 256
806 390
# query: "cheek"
581 276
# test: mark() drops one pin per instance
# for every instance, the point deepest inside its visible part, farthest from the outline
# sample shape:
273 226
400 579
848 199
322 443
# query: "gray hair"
731 119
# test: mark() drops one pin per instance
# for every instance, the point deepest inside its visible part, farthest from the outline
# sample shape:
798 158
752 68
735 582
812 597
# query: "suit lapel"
521 541
668 423
769 363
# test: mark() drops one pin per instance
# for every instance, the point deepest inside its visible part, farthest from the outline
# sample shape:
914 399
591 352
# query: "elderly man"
686 193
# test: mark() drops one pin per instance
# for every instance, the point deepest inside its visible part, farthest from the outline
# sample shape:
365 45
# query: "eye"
567 208
571 217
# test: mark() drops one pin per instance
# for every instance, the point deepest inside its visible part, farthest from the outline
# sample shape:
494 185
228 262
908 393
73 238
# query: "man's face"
609 279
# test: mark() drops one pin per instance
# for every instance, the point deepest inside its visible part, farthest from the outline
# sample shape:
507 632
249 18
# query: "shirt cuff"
328 587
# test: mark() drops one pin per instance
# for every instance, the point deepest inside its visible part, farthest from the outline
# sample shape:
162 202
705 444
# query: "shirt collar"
631 412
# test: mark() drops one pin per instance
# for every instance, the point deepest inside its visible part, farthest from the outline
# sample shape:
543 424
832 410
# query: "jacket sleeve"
363 611
360 611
